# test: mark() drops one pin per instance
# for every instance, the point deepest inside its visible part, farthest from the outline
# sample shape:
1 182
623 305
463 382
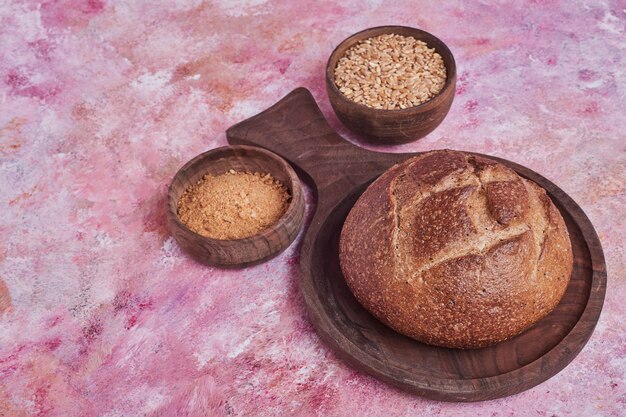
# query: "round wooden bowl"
237 252
392 126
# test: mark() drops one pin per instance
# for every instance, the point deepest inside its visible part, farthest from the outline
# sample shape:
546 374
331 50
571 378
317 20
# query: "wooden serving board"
339 172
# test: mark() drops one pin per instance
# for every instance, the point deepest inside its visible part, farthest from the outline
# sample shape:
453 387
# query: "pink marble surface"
101 102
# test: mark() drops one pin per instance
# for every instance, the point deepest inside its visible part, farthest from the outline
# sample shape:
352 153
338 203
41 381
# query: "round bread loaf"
456 250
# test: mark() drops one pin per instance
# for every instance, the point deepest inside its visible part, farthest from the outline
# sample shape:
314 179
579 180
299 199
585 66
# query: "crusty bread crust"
456 250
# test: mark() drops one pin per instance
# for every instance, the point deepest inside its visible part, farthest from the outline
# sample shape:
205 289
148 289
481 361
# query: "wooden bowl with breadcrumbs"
391 84
217 201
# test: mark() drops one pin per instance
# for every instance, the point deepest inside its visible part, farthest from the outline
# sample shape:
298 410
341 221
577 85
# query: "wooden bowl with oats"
391 84
257 167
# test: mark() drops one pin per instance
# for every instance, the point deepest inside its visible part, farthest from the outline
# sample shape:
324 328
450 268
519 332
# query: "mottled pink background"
101 102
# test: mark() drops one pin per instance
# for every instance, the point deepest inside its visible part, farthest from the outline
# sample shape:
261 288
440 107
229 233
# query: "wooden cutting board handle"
296 129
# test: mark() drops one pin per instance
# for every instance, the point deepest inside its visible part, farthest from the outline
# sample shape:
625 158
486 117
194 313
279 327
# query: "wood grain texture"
295 129
238 252
392 126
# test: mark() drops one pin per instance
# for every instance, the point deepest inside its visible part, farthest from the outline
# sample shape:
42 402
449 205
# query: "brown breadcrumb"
234 205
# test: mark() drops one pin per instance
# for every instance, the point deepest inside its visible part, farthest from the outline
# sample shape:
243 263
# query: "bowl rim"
296 195
434 101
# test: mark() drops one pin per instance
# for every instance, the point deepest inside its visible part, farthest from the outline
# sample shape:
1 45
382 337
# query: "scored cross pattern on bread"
456 250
